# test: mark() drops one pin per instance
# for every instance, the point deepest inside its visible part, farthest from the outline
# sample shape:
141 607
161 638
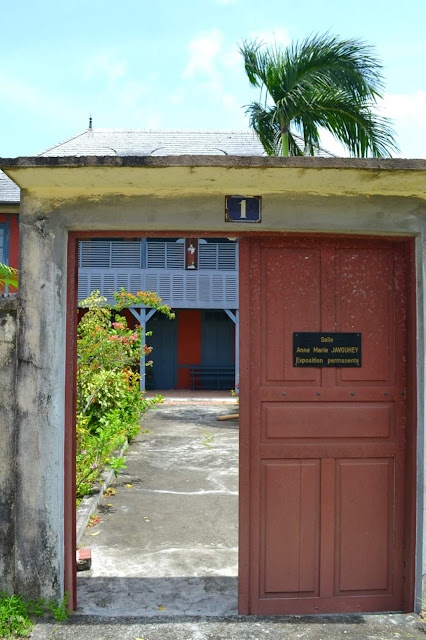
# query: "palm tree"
8 276
320 82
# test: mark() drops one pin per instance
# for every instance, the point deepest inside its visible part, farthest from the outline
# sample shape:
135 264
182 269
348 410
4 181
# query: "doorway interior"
164 340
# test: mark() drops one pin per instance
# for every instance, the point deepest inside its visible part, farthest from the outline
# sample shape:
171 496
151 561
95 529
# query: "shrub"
109 401
16 614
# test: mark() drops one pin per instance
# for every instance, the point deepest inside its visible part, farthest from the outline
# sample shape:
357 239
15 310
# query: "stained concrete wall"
40 405
8 333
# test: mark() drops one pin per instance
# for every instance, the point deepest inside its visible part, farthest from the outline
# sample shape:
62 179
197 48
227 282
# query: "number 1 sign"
243 208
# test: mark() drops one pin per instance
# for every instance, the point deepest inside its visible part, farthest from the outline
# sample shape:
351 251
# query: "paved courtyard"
167 541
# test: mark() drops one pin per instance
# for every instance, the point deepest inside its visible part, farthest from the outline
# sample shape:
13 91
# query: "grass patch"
17 614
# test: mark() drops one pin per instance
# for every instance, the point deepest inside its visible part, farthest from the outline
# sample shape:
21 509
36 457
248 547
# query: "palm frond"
353 124
264 122
8 276
320 82
347 64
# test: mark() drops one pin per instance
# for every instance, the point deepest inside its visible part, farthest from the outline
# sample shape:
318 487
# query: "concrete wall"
44 222
8 332
40 405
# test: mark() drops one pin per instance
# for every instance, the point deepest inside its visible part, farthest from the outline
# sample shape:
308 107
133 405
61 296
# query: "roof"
9 191
160 142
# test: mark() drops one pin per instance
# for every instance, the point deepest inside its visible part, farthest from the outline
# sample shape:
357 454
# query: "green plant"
16 614
208 439
58 610
319 83
14 618
8 276
116 464
236 394
109 401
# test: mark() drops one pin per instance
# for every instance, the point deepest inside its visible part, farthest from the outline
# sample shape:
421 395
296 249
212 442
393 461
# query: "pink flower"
84 452
93 466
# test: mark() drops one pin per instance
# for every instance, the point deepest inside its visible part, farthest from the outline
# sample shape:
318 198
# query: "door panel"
294 271
364 514
365 299
326 474
291 526
330 420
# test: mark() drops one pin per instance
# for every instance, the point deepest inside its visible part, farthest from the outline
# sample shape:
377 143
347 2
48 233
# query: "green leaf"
8 276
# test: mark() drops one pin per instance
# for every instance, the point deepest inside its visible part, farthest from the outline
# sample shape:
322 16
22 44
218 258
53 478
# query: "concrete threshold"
338 627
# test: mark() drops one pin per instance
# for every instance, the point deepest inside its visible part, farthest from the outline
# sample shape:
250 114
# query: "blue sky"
174 63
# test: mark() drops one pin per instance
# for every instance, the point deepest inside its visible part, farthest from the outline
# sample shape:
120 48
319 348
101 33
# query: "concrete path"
165 551
167 541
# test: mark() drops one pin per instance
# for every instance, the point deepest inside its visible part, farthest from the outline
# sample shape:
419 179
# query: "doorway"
164 342
300 462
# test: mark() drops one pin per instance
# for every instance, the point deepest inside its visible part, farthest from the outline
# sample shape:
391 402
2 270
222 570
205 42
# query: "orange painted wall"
189 343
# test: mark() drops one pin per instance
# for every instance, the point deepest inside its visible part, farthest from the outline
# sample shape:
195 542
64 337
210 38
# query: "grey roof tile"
139 142
9 191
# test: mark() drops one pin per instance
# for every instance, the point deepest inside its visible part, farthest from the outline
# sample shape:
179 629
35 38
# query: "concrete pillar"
40 404
8 306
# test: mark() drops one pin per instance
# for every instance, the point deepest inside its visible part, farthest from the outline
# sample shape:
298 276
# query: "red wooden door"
326 463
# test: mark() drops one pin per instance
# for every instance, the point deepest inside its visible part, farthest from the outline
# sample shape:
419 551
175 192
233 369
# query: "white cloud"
399 105
203 53
408 113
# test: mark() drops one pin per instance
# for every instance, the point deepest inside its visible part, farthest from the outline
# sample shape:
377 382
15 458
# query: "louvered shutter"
165 255
175 255
125 255
226 258
207 256
217 256
155 255
95 255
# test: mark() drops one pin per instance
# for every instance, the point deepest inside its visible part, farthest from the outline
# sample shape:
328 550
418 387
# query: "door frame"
248 241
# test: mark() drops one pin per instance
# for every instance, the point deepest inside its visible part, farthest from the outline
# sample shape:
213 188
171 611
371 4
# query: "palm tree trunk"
284 141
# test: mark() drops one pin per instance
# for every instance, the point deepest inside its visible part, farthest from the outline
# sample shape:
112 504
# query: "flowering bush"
109 401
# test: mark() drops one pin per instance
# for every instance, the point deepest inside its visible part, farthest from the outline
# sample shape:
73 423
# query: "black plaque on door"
312 349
